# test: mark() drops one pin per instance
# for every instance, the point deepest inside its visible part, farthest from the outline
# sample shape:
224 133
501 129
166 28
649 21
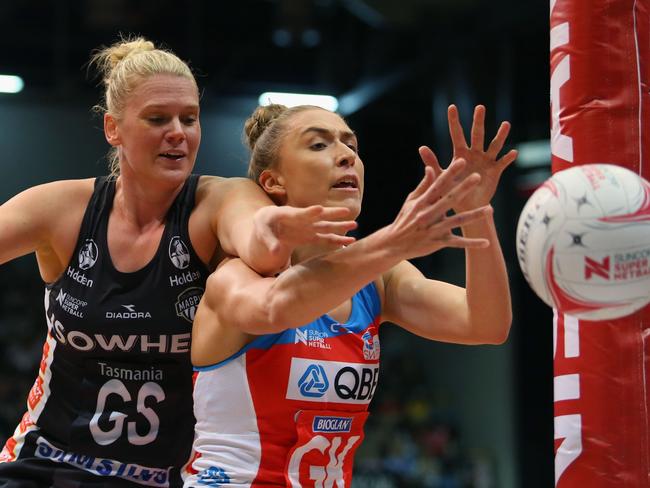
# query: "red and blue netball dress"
112 404
289 408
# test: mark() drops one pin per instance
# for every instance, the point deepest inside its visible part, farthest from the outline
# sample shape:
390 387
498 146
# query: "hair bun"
127 47
106 59
258 122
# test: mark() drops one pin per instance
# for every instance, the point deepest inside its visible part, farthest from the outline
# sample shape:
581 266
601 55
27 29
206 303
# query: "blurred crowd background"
445 416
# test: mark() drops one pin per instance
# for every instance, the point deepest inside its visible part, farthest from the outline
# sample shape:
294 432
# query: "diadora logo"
371 348
332 381
187 303
88 254
70 304
332 424
129 312
313 382
178 253
213 476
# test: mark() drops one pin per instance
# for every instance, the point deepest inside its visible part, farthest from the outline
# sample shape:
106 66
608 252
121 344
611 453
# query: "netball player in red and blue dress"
125 259
286 366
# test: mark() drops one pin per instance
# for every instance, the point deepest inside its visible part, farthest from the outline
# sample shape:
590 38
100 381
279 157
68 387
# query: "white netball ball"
583 241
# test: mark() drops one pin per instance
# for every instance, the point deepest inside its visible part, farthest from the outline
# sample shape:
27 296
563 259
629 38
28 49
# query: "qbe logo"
313 382
332 381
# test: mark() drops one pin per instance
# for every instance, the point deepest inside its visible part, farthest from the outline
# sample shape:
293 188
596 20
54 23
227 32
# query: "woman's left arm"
481 312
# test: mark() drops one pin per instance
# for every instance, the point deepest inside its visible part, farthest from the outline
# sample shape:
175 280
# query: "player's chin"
175 170
351 203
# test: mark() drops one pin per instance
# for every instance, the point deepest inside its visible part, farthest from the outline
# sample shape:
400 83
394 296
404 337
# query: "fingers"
446 226
499 140
478 128
313 224
444 182
424 184
430 160
466 242
327 227
333 213
477 135
455 129
463 218
335 239
508 158
441 198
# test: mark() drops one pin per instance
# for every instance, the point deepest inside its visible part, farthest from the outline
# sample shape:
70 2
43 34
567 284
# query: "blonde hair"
123 66
263 134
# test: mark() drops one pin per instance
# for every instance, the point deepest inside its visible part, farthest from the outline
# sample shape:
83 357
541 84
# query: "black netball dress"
112 404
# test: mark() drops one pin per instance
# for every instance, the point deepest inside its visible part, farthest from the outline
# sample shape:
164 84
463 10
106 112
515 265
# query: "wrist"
484 227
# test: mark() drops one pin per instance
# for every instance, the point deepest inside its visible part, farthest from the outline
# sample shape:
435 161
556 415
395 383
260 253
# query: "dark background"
445 415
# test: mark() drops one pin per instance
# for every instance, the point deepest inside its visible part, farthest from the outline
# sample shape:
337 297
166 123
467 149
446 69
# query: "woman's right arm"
44 219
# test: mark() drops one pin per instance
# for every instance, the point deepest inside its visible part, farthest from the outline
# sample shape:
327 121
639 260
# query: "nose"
175 134
347 157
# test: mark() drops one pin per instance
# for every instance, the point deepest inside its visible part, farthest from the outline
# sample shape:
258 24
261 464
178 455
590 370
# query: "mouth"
347 182
172 155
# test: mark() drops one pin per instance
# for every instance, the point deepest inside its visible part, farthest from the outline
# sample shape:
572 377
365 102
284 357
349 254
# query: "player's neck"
141 205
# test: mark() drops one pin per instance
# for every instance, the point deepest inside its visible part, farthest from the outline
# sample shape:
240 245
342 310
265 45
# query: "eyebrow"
320 130
158 106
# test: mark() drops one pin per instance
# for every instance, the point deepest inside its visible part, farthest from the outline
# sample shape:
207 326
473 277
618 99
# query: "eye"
190 120
318 146
353 147
156 119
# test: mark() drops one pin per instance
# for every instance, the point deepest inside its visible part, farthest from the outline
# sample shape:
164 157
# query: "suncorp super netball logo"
632 265
625 266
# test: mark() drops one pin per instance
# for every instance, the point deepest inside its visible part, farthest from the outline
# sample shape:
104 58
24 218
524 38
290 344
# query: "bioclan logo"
314 383
88 254
213 476
178 253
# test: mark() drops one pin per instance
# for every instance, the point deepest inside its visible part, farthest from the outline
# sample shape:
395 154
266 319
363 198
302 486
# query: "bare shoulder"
45 218
68 189
47 200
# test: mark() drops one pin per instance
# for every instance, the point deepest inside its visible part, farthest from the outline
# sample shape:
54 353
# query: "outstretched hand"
479 160
285 228
423 225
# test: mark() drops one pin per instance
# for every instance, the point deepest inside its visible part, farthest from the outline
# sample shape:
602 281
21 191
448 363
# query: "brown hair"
123 66
263 134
